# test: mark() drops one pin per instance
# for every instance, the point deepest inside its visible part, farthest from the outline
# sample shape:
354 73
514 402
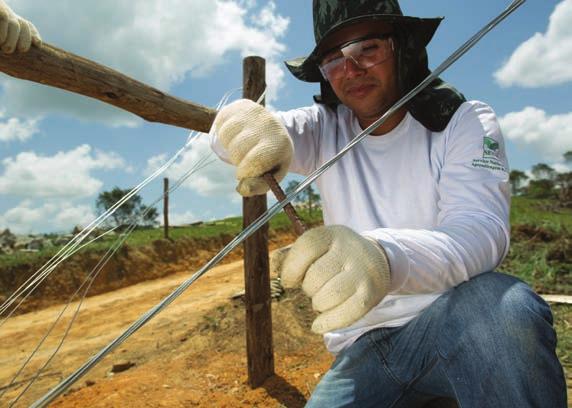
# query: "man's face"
369 92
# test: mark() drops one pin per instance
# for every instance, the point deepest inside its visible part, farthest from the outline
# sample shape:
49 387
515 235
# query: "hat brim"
306 68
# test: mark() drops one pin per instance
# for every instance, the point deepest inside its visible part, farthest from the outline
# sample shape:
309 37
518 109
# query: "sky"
58 150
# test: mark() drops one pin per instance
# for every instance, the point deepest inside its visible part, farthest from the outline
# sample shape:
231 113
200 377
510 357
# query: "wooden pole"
52 66
259 347
166 206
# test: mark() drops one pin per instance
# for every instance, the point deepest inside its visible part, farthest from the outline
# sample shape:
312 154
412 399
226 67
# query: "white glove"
256 143
15 32
345 274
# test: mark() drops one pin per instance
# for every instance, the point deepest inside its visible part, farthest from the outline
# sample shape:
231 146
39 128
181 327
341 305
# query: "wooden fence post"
166 206
259 347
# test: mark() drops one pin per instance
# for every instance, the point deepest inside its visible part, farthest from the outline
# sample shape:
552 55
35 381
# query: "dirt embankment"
126 267
192 354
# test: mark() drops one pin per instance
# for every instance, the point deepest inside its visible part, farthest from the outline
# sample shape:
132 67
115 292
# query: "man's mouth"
359 90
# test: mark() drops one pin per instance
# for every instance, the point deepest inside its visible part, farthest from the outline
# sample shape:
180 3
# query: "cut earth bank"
191 354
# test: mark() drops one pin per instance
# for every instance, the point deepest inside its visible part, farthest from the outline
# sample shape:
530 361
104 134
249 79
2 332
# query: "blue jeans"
489 342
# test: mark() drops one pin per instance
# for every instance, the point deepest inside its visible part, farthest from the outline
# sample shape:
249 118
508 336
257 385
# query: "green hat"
331 15
435 105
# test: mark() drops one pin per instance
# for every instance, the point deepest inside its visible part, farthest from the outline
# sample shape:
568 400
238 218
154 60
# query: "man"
416 218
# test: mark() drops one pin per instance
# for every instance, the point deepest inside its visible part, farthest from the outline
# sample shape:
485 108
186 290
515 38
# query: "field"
193 353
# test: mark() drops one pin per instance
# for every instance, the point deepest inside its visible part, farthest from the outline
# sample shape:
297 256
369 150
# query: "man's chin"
365 108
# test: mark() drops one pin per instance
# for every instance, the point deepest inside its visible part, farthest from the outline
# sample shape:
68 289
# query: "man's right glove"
344 273
256 143
16 33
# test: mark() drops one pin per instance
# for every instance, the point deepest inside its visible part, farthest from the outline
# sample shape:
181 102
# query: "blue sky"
58 151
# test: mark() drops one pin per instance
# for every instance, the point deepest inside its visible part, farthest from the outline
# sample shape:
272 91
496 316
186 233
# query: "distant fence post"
166 206
259 347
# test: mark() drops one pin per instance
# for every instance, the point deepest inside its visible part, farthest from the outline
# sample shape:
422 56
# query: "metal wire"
200 164
73 246
66 383
203 162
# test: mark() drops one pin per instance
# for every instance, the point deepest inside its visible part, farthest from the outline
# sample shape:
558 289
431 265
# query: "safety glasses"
364 52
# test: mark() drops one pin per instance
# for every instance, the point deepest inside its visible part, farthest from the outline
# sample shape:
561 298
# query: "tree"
564 184
543 188
542 171
308 197
132 211
568 156
517 178
312 198
293 185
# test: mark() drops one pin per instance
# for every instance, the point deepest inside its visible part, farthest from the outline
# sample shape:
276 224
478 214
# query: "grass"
563 325
541 247
543 213
140 237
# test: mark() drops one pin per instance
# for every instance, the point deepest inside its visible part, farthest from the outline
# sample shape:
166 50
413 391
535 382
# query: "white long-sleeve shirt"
438 202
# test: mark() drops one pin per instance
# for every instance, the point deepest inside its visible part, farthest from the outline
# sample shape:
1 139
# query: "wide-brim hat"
332 15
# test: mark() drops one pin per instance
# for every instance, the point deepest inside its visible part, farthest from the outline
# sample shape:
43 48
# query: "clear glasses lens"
365 54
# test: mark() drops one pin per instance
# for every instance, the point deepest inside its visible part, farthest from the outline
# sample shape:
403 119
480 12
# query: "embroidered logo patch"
491 156
490 148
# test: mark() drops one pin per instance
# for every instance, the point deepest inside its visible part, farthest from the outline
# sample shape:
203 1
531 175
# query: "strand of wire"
93 274
71 247
95 271
272 211
38 283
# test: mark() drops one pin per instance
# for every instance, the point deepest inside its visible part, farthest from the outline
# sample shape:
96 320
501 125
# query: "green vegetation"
145 236
133 211
541 247
309 198
546 182
563 324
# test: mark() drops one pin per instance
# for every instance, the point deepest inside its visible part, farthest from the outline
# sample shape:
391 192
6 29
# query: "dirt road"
191 354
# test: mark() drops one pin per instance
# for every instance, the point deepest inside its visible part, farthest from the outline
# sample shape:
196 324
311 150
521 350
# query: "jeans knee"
527 318
497 312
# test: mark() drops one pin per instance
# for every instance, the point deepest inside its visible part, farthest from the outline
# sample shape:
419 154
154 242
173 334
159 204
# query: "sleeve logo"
493 157
490 148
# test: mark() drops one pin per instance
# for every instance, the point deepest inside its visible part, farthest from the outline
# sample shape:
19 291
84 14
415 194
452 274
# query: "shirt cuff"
398 261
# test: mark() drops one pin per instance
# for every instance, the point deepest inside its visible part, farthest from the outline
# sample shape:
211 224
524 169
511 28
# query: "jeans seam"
384 364
459 405
410 385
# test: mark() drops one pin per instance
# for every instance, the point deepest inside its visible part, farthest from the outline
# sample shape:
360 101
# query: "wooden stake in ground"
166 206
259 347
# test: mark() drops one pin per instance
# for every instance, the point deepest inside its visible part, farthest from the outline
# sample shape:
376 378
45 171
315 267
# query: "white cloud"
561 167
545 58
17 129
176 218
51 216
159 43
64 175
549 135
212 177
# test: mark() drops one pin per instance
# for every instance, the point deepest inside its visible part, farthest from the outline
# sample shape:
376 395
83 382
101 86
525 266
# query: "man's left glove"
16 33
256 142
345 274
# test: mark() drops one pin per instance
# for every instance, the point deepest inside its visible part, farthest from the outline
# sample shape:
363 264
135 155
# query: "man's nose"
352 68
